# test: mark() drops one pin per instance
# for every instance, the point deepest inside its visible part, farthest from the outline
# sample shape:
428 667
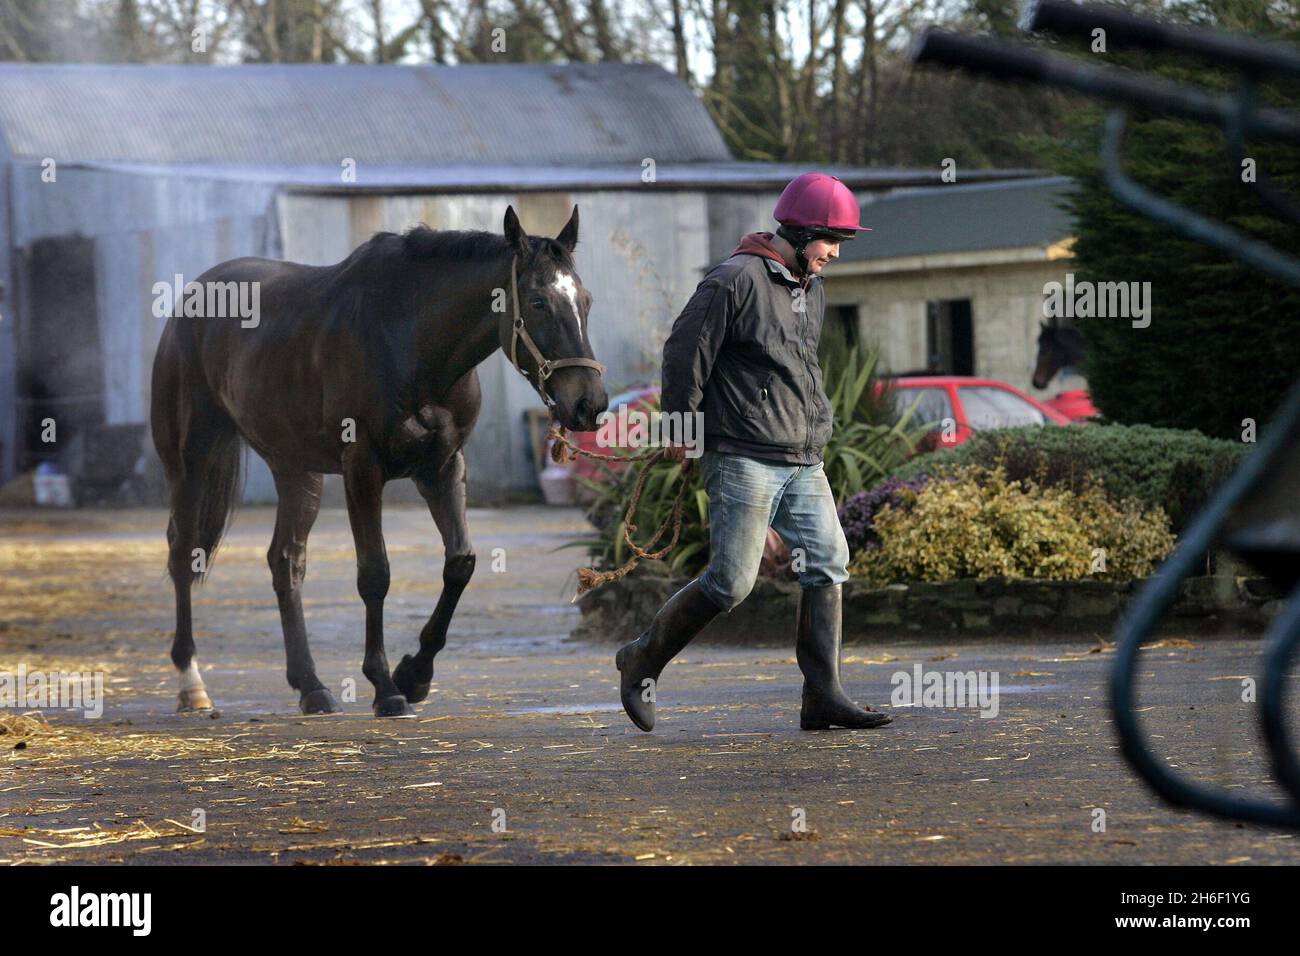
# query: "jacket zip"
803 342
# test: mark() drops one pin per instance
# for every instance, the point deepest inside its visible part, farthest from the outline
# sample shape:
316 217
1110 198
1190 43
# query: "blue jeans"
746 496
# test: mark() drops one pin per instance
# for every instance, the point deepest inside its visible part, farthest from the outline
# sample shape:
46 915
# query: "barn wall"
1006 307
733 214
640 254
144 229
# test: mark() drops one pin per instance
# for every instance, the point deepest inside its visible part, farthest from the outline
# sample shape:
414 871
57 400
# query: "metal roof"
304 115
963 218
388 177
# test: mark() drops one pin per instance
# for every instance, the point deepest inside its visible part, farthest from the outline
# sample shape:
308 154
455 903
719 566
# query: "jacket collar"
761 245
779 268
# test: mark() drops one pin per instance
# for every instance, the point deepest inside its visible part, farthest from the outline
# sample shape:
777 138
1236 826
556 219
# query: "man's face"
819 252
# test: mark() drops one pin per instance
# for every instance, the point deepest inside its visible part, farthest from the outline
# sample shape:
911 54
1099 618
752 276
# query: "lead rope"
589 578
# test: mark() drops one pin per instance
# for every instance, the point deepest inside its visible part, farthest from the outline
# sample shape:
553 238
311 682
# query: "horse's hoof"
412 688
395 706
319 701
193 699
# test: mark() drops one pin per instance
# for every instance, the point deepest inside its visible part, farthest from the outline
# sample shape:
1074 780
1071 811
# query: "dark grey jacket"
744 352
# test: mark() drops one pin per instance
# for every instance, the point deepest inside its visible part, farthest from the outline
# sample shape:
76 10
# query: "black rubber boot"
817 648
680 619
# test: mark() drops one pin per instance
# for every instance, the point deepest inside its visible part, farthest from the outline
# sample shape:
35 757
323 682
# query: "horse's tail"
218 492
201 452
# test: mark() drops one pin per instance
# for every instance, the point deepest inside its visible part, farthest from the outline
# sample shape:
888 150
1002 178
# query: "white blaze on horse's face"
567 286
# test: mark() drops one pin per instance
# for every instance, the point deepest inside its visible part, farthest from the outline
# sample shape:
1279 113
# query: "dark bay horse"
365 369
1058 348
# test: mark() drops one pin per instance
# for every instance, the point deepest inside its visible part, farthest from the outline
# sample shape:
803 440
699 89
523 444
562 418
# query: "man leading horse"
744 354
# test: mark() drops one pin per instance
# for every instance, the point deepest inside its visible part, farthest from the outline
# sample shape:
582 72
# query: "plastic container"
52 487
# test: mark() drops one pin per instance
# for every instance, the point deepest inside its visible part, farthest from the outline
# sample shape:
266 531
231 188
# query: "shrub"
982 524
1174 469
865 441
859 511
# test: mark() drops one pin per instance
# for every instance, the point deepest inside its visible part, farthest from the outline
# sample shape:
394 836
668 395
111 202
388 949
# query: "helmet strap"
798 238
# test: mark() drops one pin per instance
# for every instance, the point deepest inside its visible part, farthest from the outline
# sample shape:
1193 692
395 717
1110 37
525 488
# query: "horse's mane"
376 260
1062 334
421 242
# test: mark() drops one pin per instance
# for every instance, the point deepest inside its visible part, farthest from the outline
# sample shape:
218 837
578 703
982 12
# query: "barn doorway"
950 337
839 332
60 367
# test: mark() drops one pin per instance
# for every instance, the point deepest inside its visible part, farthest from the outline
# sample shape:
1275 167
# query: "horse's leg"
203 481
363 481
299 503
444 492
182 532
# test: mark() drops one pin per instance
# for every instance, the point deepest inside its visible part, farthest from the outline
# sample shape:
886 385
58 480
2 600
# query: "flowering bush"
859 511
980 524
1168 468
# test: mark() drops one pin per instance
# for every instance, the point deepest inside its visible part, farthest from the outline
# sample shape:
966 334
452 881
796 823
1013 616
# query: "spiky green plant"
864 445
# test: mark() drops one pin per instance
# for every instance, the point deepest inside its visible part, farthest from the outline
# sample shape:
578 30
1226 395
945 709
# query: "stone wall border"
1225 604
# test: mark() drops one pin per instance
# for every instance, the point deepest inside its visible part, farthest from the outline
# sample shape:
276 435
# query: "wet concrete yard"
522 754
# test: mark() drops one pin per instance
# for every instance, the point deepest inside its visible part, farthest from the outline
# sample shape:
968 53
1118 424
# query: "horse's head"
549 312
1059 347
1048 362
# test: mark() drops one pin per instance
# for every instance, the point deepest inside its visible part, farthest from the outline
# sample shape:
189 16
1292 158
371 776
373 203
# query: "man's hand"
674 453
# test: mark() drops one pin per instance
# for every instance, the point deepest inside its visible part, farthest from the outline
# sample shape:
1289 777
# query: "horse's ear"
515 234
568 236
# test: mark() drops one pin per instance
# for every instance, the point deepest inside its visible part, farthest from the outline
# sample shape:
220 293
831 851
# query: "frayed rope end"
589 578
560 453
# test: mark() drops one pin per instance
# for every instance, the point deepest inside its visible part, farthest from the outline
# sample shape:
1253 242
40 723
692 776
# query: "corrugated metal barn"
119 177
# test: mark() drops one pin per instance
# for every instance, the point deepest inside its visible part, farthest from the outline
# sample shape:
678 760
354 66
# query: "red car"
966 404
1076 405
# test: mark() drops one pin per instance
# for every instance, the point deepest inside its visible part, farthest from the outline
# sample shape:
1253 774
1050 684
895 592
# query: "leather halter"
544 365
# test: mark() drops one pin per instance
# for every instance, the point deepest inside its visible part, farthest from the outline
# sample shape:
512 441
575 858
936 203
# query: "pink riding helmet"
820 204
